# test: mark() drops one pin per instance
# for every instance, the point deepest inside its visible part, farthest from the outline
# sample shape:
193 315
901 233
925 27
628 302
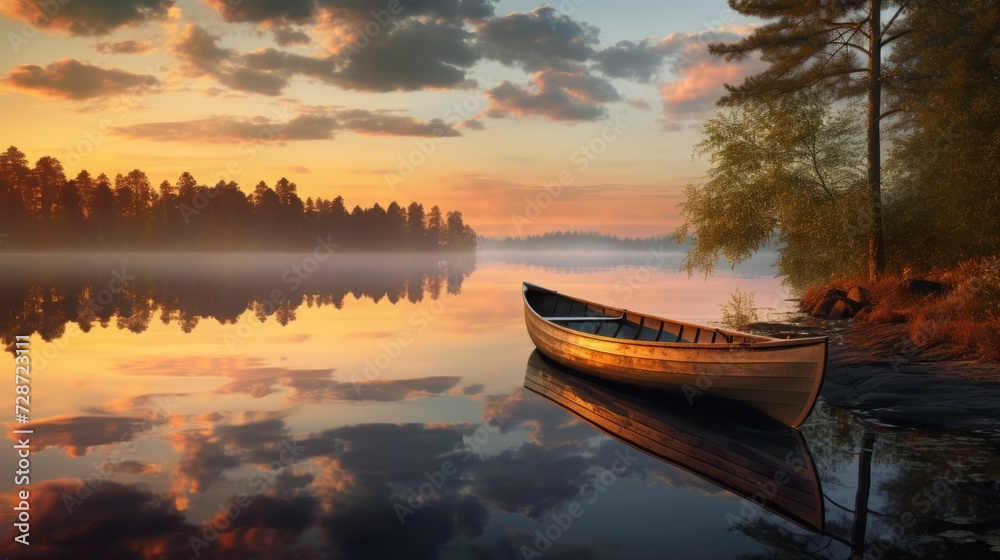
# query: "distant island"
576 240
42 210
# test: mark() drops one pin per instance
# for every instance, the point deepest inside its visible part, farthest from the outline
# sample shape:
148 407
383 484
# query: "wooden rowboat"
764 462
778 378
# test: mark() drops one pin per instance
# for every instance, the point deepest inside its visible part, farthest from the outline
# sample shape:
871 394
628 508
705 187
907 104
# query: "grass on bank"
964 316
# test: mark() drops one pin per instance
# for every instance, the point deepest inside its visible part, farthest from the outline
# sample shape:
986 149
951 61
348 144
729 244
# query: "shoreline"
876 371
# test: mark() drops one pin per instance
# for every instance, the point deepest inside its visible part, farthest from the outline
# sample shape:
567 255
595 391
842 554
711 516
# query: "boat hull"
742 457
780 380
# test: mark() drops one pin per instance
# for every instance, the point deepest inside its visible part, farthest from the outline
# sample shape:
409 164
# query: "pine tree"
825 44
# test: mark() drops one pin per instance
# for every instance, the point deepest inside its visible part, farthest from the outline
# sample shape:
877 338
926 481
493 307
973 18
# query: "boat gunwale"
767 343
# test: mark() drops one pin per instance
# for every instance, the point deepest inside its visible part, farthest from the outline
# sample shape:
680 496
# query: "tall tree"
786 166
825 44
944 167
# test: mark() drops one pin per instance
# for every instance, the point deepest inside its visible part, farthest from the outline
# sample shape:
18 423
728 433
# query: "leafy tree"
835 44
945 166
785 166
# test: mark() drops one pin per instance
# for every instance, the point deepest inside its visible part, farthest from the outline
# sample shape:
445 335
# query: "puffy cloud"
414 56
124 47
86 17
313 125
71 79
286 36
537 40
632 60
556 95
77 434
198 51
359 11
265 10
387 124
700 77
694 93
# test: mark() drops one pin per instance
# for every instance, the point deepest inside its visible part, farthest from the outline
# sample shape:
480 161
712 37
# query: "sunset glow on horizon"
440 103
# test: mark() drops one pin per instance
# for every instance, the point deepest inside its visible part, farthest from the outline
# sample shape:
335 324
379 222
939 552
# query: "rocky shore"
875 370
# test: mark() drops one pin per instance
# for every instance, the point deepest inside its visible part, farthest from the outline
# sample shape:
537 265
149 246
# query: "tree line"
41 209
870 144
571 239
47 295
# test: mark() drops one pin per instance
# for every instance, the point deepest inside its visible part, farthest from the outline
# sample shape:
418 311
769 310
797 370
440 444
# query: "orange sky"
471 105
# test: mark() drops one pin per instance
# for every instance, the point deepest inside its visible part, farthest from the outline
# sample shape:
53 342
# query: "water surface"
372 406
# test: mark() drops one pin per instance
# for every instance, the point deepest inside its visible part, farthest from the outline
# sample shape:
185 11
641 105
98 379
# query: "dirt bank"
875 370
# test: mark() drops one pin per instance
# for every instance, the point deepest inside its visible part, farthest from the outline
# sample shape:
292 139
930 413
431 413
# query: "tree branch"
896 36
894 16
822 182
890 112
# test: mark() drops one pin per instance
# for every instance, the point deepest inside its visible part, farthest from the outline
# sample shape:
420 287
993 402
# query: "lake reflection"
394 424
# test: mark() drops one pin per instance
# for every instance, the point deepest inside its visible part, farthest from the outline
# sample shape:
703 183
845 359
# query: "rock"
826 302
860 295
845 309
920 287
863 314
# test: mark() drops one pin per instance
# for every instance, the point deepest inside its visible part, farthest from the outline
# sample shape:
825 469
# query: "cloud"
556 95
639 104
299 11
71 79
198 51
313 125
693 95
124 47
414 56
86 17
537 40
328 390
632 60
357 11
77 434
700 77
287 36
385 124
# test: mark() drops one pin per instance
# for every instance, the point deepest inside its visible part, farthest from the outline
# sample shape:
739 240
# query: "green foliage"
739 312
787 168
943 206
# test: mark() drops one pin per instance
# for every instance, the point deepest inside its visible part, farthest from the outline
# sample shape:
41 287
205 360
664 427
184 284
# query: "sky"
525 116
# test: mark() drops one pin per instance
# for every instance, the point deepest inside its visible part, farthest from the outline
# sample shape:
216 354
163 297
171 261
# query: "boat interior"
594 319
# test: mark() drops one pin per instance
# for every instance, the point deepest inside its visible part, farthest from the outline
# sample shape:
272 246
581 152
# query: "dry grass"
965 318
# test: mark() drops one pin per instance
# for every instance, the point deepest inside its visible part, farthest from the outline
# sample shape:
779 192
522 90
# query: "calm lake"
374 406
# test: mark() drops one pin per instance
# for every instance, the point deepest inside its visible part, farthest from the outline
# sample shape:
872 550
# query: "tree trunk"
859 529
876 241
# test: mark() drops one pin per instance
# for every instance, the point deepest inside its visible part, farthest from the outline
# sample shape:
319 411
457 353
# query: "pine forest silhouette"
40 209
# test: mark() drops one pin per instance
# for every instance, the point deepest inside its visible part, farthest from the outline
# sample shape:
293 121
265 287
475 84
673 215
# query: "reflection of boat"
767 463
780 378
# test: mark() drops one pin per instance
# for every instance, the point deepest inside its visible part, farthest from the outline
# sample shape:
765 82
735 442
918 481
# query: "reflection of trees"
185 290
909 488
